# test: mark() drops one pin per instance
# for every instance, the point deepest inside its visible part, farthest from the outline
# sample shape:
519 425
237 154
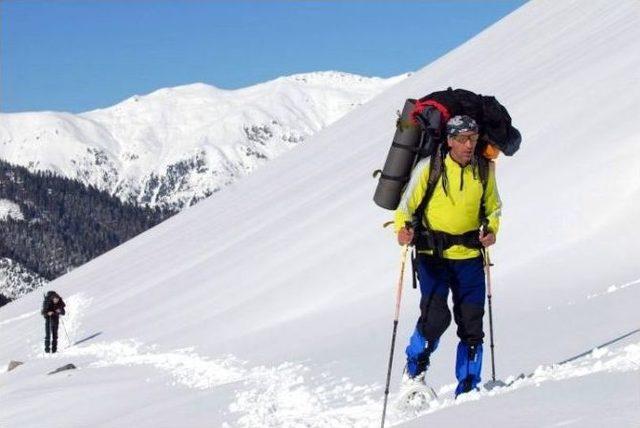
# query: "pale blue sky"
80 55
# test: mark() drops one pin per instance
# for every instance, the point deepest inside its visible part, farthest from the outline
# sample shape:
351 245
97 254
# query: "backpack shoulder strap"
484 168
484 165
435 171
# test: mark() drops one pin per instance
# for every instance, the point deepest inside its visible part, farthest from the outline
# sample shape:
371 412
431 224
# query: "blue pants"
465 279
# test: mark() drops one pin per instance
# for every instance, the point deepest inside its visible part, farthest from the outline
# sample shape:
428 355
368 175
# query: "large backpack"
420 133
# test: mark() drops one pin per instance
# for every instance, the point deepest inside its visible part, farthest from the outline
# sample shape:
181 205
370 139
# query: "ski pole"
65 331
403 259
488 265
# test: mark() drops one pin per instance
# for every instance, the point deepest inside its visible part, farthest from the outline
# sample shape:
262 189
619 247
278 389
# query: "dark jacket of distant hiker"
49 306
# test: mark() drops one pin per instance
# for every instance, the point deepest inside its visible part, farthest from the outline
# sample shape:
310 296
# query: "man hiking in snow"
459 217
52 309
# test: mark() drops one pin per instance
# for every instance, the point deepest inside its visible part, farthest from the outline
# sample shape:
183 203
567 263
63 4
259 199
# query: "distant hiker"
459 218
52 309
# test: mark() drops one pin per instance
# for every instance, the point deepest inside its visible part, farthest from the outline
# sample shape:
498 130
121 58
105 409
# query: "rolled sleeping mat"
400 160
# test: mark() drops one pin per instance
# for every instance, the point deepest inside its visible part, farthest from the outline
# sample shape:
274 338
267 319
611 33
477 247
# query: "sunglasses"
464 138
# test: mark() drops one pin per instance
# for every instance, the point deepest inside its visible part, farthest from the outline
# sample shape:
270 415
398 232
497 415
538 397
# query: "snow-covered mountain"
283 318
178 145
16 280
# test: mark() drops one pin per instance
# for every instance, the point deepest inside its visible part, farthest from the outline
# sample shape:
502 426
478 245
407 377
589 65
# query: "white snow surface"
177 145
9 209
271 305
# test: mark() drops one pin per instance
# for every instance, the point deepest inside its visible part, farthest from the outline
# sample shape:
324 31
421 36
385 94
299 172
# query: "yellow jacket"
456 212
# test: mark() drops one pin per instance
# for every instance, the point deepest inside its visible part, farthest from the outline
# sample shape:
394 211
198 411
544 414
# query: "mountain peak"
179 144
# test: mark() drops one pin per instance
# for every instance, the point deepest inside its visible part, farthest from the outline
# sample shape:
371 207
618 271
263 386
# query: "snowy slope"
177 145
271 304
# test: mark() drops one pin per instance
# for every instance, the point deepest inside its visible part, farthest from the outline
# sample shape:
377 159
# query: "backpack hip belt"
438 242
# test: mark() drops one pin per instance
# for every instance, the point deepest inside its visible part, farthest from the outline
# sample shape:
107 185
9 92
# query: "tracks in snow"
292 394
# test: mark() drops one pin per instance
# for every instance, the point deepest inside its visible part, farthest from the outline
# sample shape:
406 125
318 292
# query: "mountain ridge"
175 146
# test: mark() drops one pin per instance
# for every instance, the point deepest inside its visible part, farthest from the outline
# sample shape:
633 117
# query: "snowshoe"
414 393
